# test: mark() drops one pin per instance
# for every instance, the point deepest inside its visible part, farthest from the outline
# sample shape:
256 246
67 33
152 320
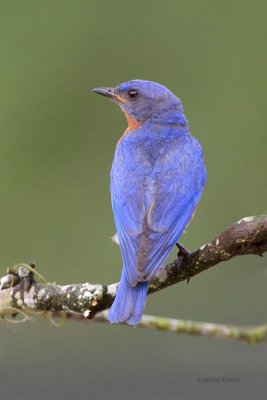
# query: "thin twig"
20 291
251 335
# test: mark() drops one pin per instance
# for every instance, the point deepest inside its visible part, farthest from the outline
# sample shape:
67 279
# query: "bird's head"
142 100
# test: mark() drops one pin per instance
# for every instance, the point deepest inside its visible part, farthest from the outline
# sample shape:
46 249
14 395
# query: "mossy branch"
249 335
20 292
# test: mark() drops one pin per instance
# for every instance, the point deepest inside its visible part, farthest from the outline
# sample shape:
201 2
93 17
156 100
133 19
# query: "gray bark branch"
20 291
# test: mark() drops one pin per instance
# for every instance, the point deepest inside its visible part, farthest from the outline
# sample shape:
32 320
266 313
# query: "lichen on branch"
23 289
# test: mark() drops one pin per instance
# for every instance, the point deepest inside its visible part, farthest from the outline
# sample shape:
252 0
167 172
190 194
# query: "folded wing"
152 211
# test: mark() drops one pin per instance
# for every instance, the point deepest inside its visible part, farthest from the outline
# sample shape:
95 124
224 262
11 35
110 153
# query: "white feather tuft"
115 239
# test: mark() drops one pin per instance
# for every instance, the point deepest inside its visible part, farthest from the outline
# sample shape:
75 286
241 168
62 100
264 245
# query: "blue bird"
157 178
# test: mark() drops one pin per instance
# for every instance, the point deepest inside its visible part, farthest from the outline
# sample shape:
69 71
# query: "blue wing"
153 204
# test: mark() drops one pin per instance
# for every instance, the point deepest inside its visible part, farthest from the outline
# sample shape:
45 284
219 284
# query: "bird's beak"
109 92
105 91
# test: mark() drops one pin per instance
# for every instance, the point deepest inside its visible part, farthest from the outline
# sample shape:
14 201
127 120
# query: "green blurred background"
57 144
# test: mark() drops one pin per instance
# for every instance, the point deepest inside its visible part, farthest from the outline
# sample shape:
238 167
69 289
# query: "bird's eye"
133 94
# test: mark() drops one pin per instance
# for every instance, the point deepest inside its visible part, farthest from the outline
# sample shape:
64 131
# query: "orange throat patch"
132 125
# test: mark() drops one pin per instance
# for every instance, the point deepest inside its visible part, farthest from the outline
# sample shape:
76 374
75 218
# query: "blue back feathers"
157 178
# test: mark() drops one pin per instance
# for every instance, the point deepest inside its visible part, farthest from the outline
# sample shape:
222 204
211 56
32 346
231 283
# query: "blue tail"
129 303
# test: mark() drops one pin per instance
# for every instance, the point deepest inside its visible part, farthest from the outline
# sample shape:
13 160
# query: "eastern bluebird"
157 178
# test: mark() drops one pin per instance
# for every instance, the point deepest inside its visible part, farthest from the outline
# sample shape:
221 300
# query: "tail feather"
129 303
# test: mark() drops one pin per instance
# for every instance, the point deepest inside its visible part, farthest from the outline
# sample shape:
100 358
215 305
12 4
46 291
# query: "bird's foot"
182 252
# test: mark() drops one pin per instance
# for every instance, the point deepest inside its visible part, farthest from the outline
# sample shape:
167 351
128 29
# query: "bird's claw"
182 252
